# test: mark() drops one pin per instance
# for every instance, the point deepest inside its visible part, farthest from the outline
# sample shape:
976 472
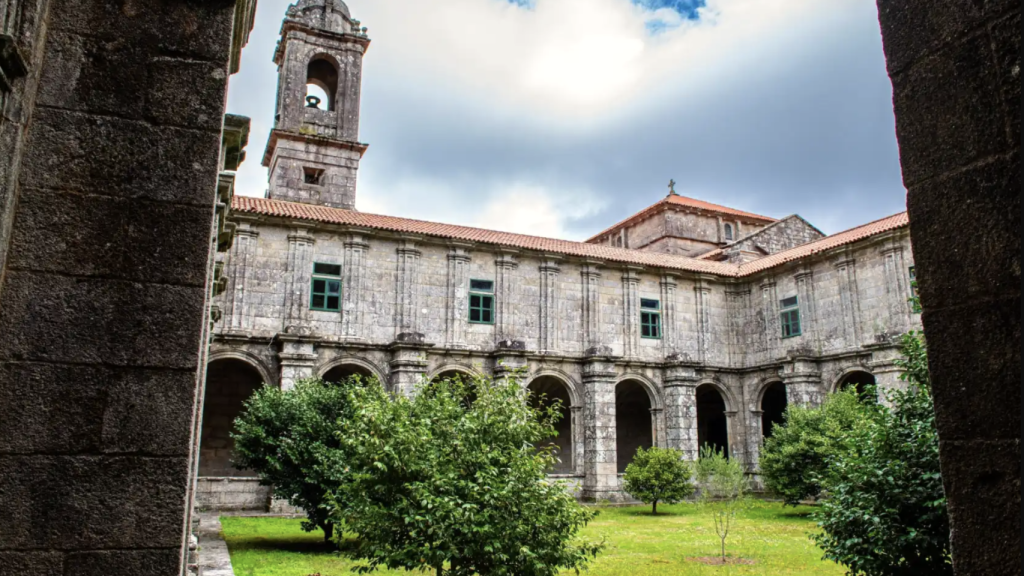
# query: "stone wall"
787 233
955 70
110 158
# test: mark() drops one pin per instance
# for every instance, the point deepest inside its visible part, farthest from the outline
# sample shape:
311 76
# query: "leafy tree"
794 460
885 514
459 486
658 475
723 488
288 437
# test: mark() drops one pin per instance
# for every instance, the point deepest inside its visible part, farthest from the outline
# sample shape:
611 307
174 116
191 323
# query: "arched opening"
773 406
322 83
712 427
464 377
633 427
544 391
860 381
229 383
343 371
728 232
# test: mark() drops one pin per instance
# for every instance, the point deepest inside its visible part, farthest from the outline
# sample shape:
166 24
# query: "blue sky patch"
686 8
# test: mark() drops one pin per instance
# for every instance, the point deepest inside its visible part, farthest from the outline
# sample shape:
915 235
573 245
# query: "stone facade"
725 331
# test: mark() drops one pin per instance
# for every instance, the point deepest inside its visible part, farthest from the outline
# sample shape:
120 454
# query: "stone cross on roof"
671 186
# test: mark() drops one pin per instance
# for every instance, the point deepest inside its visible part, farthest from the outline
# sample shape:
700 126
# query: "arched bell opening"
773 407
712 426
321 84
544 392
229 383
633 424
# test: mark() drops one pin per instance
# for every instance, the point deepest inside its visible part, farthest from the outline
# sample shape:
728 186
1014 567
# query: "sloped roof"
280 208
677 200
719 251
293 210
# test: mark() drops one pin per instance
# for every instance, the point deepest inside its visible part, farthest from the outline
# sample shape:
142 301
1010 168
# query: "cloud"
572 114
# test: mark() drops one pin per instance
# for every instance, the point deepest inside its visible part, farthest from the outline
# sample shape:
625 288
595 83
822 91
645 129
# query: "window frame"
324 277
790 316
650 318
728 231
913 280
485 296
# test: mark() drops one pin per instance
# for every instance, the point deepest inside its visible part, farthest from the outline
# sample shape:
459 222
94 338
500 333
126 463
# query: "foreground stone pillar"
680 384
803 383
601 480
408 368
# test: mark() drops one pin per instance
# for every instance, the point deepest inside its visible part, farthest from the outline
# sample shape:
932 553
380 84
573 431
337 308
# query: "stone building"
687 323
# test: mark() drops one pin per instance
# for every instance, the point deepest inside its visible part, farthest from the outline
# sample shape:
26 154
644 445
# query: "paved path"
213 551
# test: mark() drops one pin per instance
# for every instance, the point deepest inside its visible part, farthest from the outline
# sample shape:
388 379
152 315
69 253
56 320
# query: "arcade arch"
634 421
544 391
858 380
712 425
230 381
773 407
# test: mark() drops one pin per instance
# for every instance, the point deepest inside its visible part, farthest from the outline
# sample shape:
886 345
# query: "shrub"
885 514
723 488
658 475
288 437
794 460
455 485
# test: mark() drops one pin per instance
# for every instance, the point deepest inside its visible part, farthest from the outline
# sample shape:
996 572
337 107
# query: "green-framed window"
790 317
650 318
325 287
481 301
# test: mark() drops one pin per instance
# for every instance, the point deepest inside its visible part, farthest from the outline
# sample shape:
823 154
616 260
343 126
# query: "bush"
289 439
794 460
455 485
723 488
658 475
885 514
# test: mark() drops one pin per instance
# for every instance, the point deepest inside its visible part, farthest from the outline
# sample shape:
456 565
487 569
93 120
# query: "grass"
637 544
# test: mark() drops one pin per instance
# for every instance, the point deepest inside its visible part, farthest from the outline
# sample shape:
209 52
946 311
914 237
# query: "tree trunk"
439 570
723 550
328 528
654 508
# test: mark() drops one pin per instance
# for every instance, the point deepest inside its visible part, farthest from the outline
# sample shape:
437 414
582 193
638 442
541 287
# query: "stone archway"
773 407
229 383
344 370
544 390
712 424
859 380
634 426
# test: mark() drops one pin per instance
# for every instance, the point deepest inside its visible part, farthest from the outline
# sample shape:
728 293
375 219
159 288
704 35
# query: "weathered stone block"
122 562
37 563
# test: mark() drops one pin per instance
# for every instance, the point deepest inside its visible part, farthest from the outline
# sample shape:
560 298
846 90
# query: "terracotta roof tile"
683 201
282 209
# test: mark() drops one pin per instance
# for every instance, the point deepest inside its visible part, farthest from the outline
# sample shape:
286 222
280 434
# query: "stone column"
300 269
549 313
297 359
754 434
600 466
455 315
658 435
578 447
407 290
897 289
242 262
591 306
702 297
505 266
352 301
808 313
847 280
669 318
680 383
734 430
803 383
770 311
630 312
408 368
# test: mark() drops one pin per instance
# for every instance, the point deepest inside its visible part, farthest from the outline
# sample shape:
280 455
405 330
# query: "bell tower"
313 151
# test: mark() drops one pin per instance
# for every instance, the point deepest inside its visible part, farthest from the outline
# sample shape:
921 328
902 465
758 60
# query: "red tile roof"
284 209
293 210
678 200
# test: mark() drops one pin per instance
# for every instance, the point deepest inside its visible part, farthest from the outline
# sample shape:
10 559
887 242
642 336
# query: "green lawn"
637 544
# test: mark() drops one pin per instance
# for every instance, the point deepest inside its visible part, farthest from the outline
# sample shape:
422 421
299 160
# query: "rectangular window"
481 301
790 317
650 318
913 282
325 289
313 176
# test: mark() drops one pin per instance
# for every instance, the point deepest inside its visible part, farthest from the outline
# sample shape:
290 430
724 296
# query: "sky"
562 117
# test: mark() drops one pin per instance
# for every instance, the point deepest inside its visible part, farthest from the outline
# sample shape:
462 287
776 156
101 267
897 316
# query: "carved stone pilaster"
300 268
669 315
408 368
630 312
802 378
505 266
808 312
242 262
352 286
549 313
407 290
455 289
296 358
702 298
591 306
772 332
737 301
601 474
897 289
846 275
578 444
680 384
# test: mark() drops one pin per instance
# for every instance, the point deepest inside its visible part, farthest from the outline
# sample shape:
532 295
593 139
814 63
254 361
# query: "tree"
288 437
459 486
885 514
658 475
723 488
795 459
